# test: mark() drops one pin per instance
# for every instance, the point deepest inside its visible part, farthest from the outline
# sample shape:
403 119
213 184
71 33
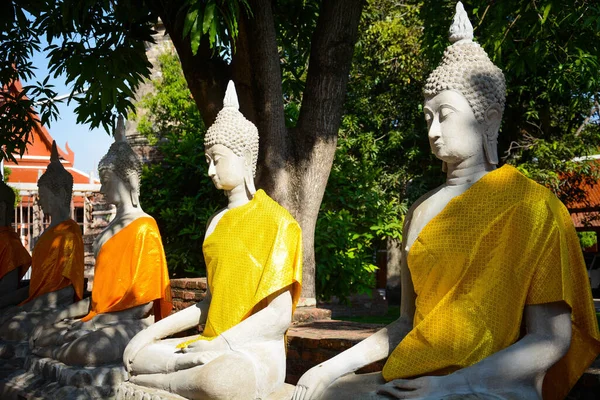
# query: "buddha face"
50 202
113 188
225 168
455 134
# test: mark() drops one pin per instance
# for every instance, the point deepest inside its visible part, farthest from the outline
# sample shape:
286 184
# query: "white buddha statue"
57 261
253 255
484 253
131 283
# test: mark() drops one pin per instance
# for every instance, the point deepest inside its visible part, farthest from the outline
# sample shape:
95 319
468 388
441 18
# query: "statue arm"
137 312
14 298
76 310
268 324
547 340
50 300
376 347
517 368
180 321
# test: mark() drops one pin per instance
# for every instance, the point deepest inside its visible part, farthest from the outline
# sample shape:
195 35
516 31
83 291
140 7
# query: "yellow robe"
131 270
57 261
505 243
12 253
254 252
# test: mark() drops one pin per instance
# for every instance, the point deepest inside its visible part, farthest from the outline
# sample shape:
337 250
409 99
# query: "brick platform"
187 292
312 343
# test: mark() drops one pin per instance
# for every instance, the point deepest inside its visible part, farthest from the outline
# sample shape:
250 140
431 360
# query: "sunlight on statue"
57 260
482 253
131 283
253 254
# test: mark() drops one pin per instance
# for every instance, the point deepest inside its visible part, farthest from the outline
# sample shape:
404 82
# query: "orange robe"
505 243
131 270
254 252
12 253
57 261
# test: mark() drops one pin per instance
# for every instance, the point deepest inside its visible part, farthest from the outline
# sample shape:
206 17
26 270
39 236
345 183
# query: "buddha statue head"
55 186
7 202
120 170
464 98
231 146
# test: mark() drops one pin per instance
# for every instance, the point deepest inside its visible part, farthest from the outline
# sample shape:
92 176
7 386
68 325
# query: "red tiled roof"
37 155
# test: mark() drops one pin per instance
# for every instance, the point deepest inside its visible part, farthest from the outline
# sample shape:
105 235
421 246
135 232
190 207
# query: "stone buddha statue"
485 254
131 284
253 256
14 258
57 260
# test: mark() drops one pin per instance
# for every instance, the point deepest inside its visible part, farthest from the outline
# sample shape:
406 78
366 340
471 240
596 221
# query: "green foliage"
549 51
217 19
18 41
365 201
6 173
177 191
82 35
587 239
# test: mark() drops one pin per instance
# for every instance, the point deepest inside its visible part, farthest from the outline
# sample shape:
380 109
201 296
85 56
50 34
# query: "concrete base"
44 378
129 391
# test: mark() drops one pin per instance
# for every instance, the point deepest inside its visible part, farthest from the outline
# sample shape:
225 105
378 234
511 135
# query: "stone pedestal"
44 378
129 391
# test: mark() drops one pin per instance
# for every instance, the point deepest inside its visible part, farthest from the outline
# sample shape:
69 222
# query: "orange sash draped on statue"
505 243
57 261
131 270
12 253
254 252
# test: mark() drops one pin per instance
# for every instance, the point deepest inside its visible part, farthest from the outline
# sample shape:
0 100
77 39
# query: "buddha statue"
57 260
484 253
253 256
131 282
14 258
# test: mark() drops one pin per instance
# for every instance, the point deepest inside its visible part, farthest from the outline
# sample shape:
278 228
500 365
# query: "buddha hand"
426 387
139 341
218 344
314 382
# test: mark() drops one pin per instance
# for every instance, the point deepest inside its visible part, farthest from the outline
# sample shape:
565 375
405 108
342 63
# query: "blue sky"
89 145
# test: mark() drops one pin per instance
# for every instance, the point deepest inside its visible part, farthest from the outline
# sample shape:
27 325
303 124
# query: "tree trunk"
293 164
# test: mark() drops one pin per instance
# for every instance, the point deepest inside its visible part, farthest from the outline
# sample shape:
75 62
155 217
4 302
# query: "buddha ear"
133 183
249 173
247 158
493 118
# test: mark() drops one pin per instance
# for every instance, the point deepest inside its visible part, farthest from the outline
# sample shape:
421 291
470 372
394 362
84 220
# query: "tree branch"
206 75
329 65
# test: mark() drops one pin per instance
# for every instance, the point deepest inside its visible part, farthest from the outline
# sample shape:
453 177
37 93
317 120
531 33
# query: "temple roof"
25 174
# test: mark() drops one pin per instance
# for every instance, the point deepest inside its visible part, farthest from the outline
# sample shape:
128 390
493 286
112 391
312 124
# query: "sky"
88 145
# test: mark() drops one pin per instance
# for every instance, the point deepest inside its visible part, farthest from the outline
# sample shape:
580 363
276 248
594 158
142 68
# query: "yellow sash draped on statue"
505 243
254 252
12 253
131 270
57 261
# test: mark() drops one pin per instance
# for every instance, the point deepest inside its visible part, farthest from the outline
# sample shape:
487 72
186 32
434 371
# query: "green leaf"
190 19
196 35
209 15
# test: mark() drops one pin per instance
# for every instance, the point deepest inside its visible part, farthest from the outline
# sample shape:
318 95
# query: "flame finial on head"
120 130
231 99
54 153
461 28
